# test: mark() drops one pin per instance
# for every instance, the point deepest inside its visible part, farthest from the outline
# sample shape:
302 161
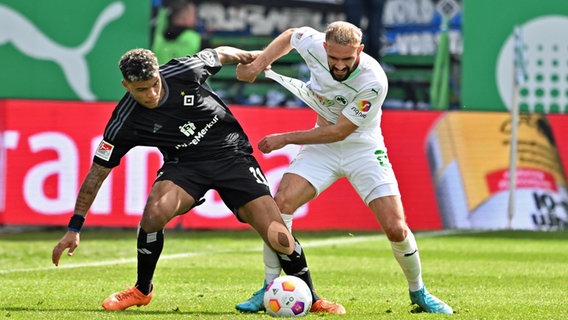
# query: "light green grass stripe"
308 244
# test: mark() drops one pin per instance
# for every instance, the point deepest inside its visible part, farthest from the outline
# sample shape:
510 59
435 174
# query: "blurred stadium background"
457 72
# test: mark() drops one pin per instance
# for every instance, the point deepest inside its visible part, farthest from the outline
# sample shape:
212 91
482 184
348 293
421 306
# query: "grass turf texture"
203 274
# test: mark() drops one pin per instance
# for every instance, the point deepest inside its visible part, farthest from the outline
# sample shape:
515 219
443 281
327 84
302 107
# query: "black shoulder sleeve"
108 155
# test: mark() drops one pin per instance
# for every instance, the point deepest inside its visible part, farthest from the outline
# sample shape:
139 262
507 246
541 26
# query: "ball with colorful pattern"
287 296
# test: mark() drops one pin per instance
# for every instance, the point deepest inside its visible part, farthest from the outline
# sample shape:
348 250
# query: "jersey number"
258 175
383 158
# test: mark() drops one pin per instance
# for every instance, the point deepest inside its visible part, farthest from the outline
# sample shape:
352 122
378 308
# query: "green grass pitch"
203 274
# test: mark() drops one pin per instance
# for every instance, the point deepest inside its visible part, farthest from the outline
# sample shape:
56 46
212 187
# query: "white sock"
272 268
287 220
406 253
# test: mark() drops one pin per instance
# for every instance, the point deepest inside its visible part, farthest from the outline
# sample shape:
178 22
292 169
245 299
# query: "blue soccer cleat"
255 303
429 303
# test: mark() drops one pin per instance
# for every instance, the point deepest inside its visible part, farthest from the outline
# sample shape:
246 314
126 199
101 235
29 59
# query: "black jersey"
190 123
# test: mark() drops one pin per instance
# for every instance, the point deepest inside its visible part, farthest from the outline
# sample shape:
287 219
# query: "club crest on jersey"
341 100
104 150
188 100
207 57
188 128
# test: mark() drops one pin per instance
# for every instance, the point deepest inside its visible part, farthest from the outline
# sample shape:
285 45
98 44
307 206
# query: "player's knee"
396 231
280 239
284 204
279 198
153 219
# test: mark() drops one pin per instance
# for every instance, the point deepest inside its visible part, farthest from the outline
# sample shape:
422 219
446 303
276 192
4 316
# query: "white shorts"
365 166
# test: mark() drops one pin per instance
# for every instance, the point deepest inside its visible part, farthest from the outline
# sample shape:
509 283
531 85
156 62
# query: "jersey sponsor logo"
104 150
364 106
207 57
322 100
157 127
358 112
196 136
188 100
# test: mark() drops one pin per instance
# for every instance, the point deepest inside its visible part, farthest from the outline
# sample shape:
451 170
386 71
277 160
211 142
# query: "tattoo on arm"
90 187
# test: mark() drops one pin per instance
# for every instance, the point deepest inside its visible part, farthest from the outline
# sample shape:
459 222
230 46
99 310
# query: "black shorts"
238 179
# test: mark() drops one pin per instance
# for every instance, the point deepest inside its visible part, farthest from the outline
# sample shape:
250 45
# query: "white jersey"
359 98
362 156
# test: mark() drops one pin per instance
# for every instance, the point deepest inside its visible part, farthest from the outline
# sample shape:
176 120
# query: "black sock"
296 265
149 249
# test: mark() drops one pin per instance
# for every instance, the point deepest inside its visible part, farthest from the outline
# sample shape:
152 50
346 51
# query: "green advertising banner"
488 60
68 50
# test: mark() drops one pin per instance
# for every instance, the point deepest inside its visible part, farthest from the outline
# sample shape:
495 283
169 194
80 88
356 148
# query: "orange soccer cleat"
125 299
324 305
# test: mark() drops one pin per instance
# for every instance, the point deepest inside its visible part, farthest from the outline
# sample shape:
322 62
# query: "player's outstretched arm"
232 55
89 189
279 47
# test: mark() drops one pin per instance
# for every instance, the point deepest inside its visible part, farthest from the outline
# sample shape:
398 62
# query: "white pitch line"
306 244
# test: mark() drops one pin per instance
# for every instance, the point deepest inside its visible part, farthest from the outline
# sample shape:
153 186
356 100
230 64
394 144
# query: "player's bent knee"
284 204
396 232
153 221
280 239
280 201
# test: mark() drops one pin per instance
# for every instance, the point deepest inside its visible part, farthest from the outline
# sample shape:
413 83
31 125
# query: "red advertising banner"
47 148
451 168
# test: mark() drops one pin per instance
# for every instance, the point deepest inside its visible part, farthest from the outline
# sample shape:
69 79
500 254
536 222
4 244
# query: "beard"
344 73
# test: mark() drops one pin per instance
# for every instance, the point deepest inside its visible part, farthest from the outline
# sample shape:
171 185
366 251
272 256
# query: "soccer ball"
287 296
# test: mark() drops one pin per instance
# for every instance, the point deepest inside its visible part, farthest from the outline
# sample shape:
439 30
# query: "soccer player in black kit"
171 107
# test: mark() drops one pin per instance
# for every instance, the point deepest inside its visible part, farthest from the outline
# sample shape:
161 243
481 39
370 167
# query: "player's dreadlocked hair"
138 65
343 33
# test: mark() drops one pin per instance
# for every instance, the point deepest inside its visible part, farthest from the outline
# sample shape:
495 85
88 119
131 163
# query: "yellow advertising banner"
469 157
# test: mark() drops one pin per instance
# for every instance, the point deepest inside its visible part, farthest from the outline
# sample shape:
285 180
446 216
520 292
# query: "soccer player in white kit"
346 88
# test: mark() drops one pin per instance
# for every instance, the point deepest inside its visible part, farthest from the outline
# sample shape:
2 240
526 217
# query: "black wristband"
76 223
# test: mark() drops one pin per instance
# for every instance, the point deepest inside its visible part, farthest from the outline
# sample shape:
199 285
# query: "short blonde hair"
343 33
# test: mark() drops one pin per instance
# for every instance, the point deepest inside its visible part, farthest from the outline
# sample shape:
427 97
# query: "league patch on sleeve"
104 150
207 57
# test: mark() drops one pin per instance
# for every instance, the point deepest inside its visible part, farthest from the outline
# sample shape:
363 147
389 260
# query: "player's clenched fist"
272 142
245 73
